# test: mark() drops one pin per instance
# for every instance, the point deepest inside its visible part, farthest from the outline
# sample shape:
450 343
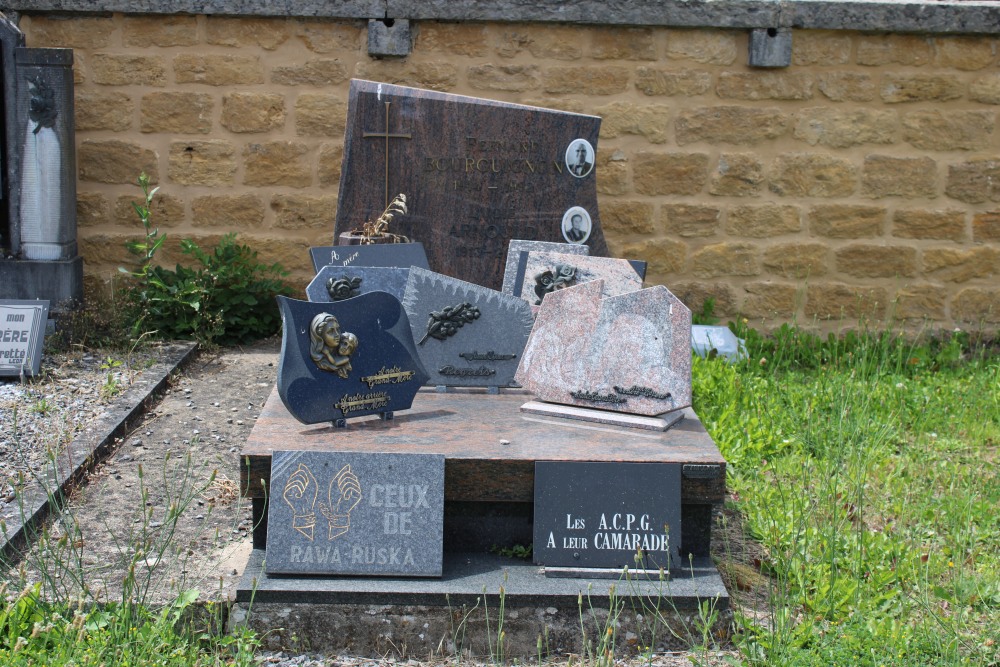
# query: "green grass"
868 471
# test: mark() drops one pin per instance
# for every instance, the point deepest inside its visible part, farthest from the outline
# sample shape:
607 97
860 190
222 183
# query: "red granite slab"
490 447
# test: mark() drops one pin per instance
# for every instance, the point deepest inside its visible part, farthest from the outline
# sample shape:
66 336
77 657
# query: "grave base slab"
60 282
459 613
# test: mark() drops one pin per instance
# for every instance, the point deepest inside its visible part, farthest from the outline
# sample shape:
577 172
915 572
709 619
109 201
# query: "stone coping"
921 16
41 497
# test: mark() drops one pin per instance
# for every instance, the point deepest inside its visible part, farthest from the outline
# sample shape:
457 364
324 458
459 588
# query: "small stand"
384 416
658 423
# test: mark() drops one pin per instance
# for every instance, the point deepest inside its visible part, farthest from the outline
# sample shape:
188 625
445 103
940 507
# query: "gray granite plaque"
22 334
476 173
466 335
517 257
336 283
629 353
607 515
546 272
354 513
402 255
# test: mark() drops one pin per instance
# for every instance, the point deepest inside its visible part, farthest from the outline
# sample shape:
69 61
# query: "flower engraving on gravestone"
550 280
343 287
448 321
301 493
330 349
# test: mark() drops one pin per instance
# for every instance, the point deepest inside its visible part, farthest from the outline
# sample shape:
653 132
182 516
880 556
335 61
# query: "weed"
228 298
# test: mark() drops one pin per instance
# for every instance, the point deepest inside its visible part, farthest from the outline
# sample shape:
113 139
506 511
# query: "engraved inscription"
394 375
597 397
636 390
482 371
487 356
355 402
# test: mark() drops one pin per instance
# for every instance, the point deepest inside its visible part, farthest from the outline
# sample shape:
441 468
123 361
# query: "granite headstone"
607 515
629 353
22 335
517 258
354 513
347 359
402 255
545 272
476 173
336 283
467 335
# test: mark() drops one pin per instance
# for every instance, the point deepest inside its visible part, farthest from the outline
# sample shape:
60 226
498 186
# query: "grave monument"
39 256
477 173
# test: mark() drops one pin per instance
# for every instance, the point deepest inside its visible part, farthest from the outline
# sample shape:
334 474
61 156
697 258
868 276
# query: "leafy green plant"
227 297
706 315
112 385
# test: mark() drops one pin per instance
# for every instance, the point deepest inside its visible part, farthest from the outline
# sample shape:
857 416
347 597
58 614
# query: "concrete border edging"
92 446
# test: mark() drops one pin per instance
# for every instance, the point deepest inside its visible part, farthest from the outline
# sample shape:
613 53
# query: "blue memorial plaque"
355 513
607 515
347 358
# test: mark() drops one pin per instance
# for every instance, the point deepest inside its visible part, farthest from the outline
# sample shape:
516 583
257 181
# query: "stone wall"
864 179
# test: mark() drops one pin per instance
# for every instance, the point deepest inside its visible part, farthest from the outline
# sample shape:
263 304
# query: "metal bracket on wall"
389 38
770 47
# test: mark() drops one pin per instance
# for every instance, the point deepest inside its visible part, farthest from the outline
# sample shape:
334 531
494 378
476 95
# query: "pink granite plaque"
629 353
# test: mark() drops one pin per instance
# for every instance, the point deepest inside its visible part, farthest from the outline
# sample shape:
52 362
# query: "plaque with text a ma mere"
476 173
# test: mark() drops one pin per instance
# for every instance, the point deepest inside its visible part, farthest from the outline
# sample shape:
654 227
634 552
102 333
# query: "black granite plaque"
347 359
466 335
354 513
402 255
607 515
476 173
22 334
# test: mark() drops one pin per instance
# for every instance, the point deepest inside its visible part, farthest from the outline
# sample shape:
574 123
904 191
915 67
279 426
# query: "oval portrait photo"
580 158
576 225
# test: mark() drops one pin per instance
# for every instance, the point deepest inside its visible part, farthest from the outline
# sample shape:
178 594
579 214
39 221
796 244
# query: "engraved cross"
387 136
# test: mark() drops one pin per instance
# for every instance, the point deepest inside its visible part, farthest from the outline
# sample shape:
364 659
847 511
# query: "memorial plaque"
466 335
402 255
354 513
629 353
336 283
607 515
545 272
476 173
22 335
347 359
517 258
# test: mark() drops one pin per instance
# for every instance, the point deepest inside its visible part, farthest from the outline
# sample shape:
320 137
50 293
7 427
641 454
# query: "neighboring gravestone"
347 359
402 255
22 334
336 283
39 257
476 173
629 353
607 515
517 258
353 513
467 335
546 272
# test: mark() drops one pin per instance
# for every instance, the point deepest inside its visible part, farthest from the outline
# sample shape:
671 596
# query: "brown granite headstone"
476 173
